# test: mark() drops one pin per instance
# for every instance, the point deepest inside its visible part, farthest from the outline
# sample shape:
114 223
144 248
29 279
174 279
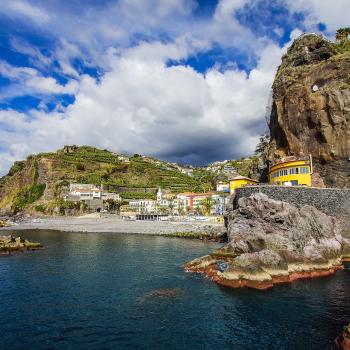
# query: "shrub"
27 195
16 167
40 208
138 195
80 167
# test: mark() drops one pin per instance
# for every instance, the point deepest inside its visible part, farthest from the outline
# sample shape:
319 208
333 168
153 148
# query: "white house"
143 206
89 192
223 187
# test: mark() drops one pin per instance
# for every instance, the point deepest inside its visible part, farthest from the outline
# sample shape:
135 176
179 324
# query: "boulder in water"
273 242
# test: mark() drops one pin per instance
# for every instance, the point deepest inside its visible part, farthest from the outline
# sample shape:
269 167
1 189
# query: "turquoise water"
96 291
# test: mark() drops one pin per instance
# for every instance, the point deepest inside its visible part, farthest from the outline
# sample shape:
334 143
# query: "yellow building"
240 181
291 173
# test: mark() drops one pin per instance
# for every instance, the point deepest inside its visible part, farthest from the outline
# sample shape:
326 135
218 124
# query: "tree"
164 210
113 205
207 204
263 144
342 34
207 182
182 211
198 210
171 206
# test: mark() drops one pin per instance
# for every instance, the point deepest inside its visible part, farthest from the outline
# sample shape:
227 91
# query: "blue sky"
183 80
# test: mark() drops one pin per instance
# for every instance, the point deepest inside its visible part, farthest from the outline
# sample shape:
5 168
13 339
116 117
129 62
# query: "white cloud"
140 104
36 57
333 13
29 81
143 106
24 8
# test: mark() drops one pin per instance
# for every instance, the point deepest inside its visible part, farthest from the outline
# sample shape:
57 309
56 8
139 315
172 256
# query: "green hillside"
45 177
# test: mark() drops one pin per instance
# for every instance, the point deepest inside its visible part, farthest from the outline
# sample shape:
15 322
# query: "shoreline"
181 229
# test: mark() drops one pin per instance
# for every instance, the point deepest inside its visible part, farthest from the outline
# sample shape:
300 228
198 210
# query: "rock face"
273 242
10 244
311 108
343 341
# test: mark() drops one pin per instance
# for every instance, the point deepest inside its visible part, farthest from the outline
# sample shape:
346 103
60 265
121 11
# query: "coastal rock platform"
10 244
273 242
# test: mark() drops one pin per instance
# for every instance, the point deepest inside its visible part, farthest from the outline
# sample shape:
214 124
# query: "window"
293 171
304 170
284 172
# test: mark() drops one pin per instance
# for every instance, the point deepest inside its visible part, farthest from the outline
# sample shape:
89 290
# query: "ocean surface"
106 291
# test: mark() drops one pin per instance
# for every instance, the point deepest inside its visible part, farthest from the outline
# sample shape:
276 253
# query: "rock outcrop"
273 242
4 223
311 108
343 341
10 244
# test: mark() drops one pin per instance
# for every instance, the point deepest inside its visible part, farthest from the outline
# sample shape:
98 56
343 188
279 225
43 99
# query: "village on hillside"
206 206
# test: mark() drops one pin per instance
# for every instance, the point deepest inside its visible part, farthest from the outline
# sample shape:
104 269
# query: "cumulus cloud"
144 106
145 98
333 13
29 81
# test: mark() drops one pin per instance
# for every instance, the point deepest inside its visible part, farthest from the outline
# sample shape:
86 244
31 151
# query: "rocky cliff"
273 242
311 107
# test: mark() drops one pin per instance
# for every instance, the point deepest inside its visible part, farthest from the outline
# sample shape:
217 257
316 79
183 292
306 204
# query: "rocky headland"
272 242
10 244
311 108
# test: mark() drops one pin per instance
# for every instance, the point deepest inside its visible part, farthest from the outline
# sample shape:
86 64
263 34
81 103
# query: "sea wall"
331 201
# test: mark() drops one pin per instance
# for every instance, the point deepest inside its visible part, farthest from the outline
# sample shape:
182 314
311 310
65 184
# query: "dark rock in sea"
273 242
343 341
10 244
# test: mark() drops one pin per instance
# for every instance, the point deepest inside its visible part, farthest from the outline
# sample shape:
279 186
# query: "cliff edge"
311 107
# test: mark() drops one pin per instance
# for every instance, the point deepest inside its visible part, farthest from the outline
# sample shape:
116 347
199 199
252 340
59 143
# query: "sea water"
115 291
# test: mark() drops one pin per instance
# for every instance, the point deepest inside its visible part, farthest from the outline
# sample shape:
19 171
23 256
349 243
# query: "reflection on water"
94 291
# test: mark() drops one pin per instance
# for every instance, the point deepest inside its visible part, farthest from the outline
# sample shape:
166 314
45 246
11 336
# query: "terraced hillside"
45 177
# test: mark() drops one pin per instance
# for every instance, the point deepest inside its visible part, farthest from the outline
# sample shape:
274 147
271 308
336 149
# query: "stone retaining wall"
331 201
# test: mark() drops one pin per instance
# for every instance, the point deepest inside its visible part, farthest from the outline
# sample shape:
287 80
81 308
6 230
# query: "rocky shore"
10 244
343 341
272 242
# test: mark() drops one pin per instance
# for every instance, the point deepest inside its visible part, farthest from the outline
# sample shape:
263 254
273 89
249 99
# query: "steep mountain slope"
311 107
46 176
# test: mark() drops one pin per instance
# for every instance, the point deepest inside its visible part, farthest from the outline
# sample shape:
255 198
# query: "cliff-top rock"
311 107
274 242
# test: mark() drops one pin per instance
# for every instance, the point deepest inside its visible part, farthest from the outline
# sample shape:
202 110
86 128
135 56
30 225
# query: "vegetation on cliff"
41 180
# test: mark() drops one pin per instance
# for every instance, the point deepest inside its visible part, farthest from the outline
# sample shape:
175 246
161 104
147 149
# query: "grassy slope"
92 165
